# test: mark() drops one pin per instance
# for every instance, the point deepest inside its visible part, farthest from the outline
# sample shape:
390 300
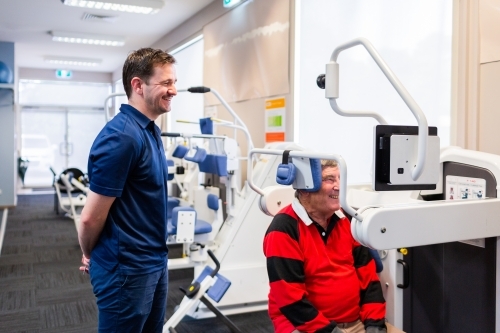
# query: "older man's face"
326 200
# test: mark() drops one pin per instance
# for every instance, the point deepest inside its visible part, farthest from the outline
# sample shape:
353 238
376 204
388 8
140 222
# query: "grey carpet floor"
42 290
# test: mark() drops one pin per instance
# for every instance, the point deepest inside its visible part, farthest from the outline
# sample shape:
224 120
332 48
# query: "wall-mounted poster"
275 119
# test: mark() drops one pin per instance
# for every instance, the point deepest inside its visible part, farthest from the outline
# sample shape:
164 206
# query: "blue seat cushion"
171 204
216 164
180 151
171 230
198 157
206 126
200 226
170 175
213 202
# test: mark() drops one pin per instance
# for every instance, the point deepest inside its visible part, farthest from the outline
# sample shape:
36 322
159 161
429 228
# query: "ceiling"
27 23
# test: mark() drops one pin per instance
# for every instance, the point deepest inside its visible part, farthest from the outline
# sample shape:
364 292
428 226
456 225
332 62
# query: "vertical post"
3 226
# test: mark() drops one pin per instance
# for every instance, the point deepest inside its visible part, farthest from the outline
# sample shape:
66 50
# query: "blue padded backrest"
218 290
180 151
198 157
206 126
316 175
175 216
216 164
213 202
170 175
171 204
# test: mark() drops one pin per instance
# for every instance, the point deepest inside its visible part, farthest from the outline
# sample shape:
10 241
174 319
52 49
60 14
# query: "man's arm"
92 220
372 300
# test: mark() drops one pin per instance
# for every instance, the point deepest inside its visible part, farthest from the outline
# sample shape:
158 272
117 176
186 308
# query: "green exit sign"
63 74
230 3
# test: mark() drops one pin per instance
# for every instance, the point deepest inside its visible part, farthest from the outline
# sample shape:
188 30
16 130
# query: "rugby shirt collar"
302 214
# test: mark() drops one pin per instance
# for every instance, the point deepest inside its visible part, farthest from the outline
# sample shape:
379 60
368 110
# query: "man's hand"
374 329
85 267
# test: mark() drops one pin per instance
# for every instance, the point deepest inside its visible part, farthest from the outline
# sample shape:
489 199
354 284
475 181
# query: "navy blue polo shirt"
127 161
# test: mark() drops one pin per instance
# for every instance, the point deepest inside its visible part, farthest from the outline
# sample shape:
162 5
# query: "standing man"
123 226
321 279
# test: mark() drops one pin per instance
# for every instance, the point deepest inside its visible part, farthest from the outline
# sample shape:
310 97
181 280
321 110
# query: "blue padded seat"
216 164
206 126
200 226
213 202
198 157
170 175
171 204
180 151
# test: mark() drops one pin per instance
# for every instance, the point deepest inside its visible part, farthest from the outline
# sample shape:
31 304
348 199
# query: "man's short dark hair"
141 64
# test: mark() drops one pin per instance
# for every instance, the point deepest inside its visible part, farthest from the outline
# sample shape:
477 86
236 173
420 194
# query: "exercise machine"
208 283
71 192
431 213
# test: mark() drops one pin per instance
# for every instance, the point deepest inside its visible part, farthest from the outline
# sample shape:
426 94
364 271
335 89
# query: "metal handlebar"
217 263
332 93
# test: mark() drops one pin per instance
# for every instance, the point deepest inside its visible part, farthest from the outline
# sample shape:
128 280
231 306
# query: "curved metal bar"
307 154
338 110
401 90
106 115
249 139
231 111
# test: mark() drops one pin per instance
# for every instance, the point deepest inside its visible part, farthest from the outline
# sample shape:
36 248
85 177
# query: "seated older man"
321 279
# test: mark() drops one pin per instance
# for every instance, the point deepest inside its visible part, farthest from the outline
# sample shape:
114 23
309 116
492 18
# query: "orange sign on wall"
275 119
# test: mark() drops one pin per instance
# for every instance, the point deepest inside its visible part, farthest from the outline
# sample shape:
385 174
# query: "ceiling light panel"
129 6
70 61
84 38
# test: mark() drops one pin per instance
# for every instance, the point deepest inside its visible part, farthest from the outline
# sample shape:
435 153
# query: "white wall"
187 106
413 37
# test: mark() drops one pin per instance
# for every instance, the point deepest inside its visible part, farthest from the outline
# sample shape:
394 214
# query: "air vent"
99 18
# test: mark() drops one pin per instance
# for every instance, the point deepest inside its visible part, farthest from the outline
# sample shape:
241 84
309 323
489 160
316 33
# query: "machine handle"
171 135
406 274
217 263
198 90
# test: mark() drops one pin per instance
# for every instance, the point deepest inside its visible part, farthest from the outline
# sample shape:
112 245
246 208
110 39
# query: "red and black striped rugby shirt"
319 280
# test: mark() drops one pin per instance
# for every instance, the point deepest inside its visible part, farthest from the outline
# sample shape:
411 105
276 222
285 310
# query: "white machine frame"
391 220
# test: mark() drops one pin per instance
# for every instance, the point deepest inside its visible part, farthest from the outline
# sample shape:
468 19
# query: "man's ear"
136 84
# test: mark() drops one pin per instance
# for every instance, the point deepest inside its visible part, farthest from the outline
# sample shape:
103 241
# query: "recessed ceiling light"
129 6
84 38
70 61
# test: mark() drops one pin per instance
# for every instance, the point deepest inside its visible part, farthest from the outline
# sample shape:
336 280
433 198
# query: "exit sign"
230 3
64 74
